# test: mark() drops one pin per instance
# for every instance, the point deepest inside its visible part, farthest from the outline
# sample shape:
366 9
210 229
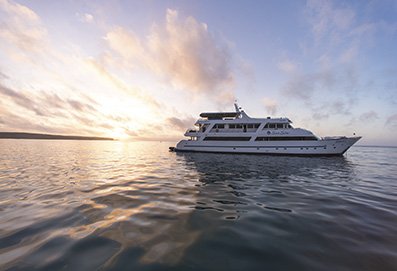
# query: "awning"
219 115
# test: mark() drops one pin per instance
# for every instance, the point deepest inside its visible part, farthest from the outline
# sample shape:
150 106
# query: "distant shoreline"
13 135
375 146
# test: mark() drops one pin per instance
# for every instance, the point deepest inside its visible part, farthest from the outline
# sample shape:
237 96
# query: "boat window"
219 126
253 125
242 125
227 138
277 126
285 138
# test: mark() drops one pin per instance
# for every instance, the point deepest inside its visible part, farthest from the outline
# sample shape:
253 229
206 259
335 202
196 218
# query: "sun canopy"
219 115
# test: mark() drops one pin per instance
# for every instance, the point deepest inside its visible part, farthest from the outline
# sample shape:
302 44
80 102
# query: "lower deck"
319 147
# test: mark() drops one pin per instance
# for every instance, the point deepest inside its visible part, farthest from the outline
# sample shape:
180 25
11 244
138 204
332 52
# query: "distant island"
49 136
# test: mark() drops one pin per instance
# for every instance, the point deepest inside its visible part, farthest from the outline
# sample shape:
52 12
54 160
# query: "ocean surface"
91 205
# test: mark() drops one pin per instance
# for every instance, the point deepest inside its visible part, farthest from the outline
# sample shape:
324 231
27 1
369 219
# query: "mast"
237 107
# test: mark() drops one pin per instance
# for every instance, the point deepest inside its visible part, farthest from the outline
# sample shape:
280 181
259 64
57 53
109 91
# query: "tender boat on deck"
236 132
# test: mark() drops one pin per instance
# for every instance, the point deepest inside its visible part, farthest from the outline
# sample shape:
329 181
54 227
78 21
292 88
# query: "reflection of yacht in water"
236 132
234 184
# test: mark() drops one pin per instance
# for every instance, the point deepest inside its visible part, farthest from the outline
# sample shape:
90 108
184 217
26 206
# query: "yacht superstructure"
236 132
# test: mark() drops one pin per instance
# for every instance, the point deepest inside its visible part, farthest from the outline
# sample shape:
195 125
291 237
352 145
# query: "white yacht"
236 132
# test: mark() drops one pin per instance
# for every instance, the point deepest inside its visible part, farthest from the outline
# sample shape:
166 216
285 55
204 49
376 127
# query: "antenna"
236 106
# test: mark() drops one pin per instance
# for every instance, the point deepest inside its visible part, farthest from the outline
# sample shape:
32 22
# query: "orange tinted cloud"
183 51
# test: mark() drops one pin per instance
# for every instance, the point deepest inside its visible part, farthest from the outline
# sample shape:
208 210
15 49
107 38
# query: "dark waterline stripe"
202 146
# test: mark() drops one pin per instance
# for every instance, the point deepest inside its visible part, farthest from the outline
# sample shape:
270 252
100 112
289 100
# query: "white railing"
191 131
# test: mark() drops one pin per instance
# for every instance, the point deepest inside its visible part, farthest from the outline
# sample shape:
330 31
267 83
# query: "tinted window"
284 138
229 138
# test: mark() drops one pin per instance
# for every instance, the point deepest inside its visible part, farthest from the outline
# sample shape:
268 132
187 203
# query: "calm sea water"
89 205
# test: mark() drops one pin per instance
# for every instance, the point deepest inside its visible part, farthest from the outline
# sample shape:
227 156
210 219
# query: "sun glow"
119 134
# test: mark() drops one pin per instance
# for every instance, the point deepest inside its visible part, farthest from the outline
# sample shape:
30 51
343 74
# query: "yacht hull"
323 147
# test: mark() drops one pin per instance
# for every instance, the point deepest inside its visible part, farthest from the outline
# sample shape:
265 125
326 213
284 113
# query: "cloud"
334 27
88 18
20 10
327 20
3 76
369 116
15 123
54 114
126 43
392 121
302 86
26 44
85 17
349 54
270 105
338 107
331 108
184 52
181 124
21 28
190 56
287 66
44 103
21 100
79 106
320 115
121 85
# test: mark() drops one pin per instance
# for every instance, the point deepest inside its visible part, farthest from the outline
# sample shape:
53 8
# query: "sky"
144 70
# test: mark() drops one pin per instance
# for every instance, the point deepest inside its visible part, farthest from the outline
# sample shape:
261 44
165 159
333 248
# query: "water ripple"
120 206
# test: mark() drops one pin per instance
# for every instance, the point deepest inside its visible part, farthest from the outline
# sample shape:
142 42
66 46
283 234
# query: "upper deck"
219 115
239 122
